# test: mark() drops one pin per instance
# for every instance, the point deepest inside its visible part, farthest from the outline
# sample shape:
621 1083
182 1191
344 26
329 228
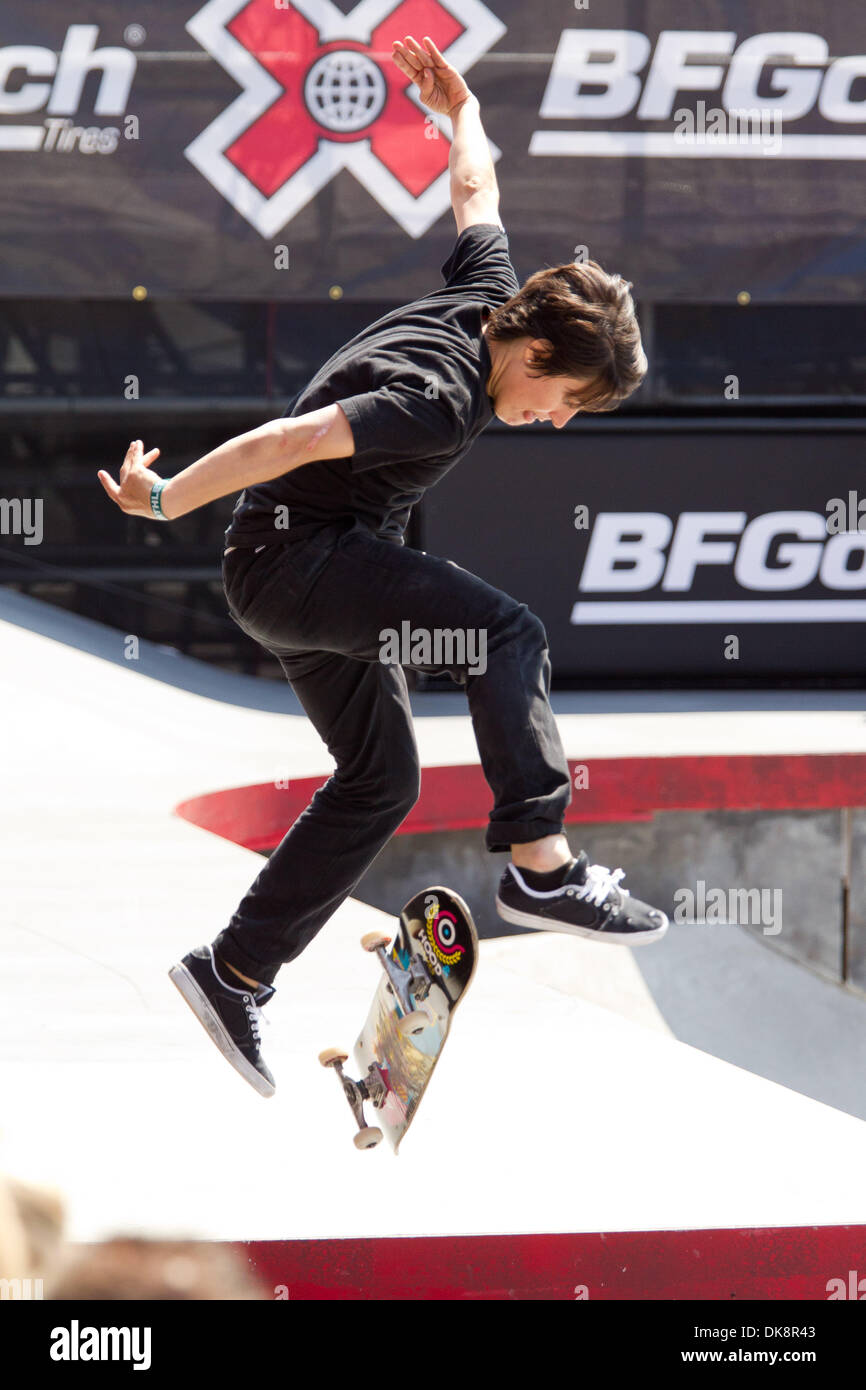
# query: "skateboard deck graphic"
426 970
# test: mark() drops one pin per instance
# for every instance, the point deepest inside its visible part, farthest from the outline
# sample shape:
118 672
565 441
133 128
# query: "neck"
492 380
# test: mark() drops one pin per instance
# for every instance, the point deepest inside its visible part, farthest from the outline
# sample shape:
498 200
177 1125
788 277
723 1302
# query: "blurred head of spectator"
132 1267
31 1229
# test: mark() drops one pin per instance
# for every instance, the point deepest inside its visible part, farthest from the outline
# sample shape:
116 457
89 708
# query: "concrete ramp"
546 1113
549 1114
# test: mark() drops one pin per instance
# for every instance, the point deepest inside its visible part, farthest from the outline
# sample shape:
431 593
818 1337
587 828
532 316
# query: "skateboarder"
379 423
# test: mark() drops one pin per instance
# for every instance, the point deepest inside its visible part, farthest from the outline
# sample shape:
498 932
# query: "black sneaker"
589 903
231 1016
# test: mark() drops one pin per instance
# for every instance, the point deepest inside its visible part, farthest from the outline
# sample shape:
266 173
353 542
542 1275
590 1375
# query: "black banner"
729 551
270 149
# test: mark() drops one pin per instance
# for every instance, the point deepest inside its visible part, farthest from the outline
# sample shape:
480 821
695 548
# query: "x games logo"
321 94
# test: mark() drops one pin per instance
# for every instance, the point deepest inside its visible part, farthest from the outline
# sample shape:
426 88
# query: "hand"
439 85
136 481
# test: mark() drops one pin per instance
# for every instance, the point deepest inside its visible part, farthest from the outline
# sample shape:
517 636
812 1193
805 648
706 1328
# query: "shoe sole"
213 1026
527 919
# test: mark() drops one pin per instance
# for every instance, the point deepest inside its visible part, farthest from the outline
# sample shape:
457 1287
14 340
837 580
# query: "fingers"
407 62
131 458
403 52
135 458
416 57
424 54
109 484
135 455
409 49
407 69
438 60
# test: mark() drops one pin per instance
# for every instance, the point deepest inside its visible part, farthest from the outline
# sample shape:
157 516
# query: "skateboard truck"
373 1088
403 983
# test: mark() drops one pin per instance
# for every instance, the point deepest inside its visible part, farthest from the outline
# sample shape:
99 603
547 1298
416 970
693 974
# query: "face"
521 396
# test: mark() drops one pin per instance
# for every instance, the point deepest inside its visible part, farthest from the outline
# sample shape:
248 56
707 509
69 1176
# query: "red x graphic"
287 135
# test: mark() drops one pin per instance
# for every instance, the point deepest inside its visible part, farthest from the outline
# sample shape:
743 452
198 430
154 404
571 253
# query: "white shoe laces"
255 1016
599 883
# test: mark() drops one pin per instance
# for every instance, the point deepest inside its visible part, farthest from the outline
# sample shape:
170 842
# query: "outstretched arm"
474 190
264 453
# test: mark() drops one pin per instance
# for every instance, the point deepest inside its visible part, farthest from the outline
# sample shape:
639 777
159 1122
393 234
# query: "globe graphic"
345 91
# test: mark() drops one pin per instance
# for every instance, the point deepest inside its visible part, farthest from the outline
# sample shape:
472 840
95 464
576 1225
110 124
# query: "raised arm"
474 190
267 452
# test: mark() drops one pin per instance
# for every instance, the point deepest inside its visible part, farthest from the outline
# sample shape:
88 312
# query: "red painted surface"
748 1263
620 789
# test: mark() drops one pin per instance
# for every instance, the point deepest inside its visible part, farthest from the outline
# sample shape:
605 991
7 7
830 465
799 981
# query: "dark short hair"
588 317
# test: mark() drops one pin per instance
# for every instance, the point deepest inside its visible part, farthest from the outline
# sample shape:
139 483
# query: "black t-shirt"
413 386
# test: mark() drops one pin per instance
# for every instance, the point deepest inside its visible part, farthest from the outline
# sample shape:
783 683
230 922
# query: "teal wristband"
155 503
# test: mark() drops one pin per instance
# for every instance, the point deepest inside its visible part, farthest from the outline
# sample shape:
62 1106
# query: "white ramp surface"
547 1112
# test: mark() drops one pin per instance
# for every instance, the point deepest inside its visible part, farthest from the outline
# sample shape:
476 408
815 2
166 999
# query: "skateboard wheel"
412 1023
331 1055
374 939
368 1138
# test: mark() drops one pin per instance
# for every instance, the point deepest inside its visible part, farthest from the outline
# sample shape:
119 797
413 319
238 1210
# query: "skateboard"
425 974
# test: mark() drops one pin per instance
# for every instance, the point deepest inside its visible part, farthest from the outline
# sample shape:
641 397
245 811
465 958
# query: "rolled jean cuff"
227 949
501 835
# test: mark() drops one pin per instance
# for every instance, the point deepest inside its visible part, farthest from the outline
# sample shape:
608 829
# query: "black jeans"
320 604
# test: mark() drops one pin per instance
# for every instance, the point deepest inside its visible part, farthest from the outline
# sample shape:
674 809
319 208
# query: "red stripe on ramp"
619 789
746 1263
